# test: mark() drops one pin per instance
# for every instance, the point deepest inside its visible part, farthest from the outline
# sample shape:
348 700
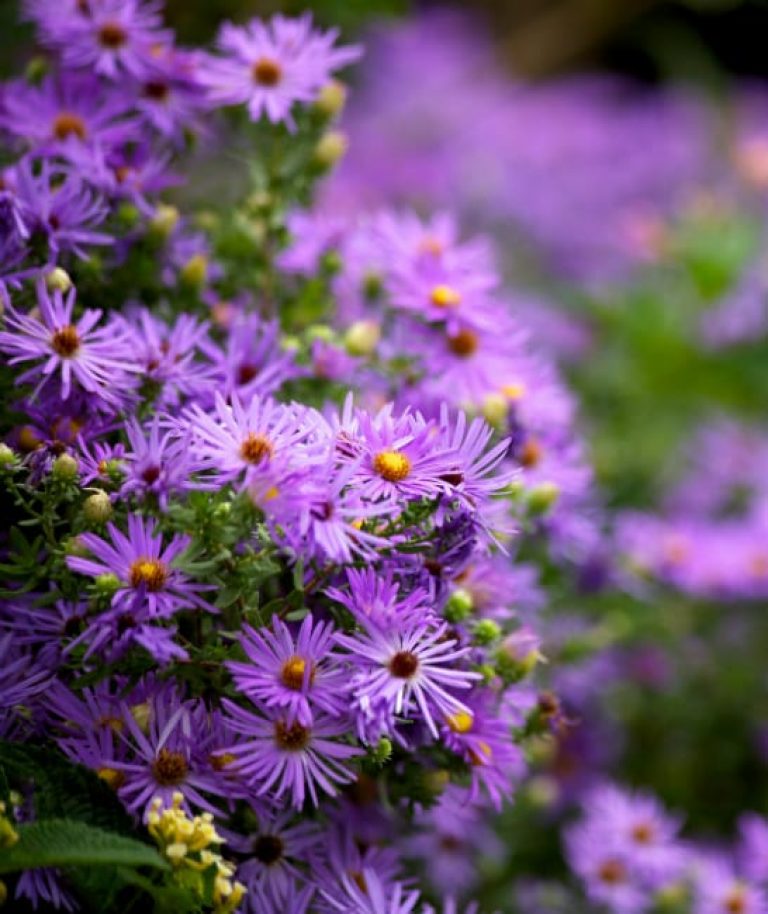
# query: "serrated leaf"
66 842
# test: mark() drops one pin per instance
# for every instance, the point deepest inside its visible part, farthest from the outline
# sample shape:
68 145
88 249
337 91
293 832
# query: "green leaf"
64 842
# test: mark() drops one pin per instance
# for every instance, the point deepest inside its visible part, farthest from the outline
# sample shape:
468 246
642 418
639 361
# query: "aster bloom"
718 890
275 851
282 760
95 358
367 894
65 110
407 670
378 596
293 673
113 38
158 463
144 567
261 439
272 66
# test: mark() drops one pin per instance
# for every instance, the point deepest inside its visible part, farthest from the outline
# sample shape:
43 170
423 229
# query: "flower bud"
542 791
330 149
164 221
195 271
7 456
58 280
321 332
495 409
459 606
97 508
382 751
519 653
331 99
107 584
486 631
64 467
541 498
73 545
362 338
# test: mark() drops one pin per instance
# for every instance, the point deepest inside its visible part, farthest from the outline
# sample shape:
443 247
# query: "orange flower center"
151 572
292 673
66 342
464 343
68 124
531 454
256 448
612 872
443 296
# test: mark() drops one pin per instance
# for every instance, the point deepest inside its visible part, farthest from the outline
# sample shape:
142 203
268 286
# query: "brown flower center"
464 343
268 849
612 872
112 35
267 72
151 572
65 341
531 454
68 124
394 466
256 448
111 777
151 474
292 738
292 672
157 91
735 901
169 768
403 664
642 833
246 373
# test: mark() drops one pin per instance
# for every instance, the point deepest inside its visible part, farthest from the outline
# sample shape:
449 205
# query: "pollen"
291 738
111 777
461 722
464 343
612 872
443 296
394 466
67 124
112 35
66 341
169 768
403 665
267 72
292 673
151 572
255 449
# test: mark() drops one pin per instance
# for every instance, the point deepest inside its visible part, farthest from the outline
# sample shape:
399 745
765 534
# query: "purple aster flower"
167 354
406 670
158 462
252 362
96 359
261 439
171 98
66 110
59 206
313 235
45 885
718 890
113 38
272 66
293 673
275 850
144 568
376 595
278 759
753 847
366 893
25 680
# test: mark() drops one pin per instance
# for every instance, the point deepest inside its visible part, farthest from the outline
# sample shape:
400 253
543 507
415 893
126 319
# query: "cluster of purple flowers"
627 851
299 611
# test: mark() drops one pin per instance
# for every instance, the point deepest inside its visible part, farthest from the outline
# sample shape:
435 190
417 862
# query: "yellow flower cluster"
186 843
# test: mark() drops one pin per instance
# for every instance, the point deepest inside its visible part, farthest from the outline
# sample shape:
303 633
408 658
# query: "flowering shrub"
268 478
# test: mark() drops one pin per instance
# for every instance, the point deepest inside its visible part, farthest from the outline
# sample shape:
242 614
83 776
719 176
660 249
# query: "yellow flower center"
292 673
66 342
394 466
443 296
151 572
514 391
461 722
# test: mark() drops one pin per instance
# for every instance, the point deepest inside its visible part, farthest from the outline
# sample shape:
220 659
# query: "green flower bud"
321 332
163 222
459 606
542 497
7 456
73 546
58 279
362 338
486 631
495 409
97 508
331 99
107 584
64 467
330 149
542 791
195 271
382 751
128 214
